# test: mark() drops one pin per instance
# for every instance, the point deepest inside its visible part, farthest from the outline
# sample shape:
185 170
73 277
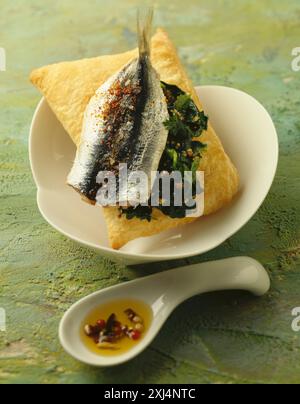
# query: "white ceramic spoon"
163 292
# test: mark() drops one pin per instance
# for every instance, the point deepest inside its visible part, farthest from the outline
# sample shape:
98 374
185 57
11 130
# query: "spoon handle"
238 273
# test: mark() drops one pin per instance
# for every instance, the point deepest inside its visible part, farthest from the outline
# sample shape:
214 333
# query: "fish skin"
123 123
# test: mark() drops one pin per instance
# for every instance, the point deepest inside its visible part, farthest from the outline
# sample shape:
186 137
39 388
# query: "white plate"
249 137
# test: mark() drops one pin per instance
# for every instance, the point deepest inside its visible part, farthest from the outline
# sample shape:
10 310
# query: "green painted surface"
224 337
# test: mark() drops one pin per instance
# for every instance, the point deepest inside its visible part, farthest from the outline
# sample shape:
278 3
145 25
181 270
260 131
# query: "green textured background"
225 337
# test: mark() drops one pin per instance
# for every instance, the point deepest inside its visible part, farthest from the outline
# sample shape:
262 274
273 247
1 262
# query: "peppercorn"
117 329
101 324
88 330
136 319
139 327
135 335
106 334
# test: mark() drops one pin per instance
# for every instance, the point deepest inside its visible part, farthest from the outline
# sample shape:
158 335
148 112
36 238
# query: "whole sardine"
123 123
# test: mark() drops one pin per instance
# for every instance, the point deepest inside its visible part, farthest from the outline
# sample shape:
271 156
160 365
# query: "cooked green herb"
140 212
185 123
182 152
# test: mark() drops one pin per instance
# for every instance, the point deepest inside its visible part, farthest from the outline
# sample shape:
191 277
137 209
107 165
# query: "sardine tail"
144 29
